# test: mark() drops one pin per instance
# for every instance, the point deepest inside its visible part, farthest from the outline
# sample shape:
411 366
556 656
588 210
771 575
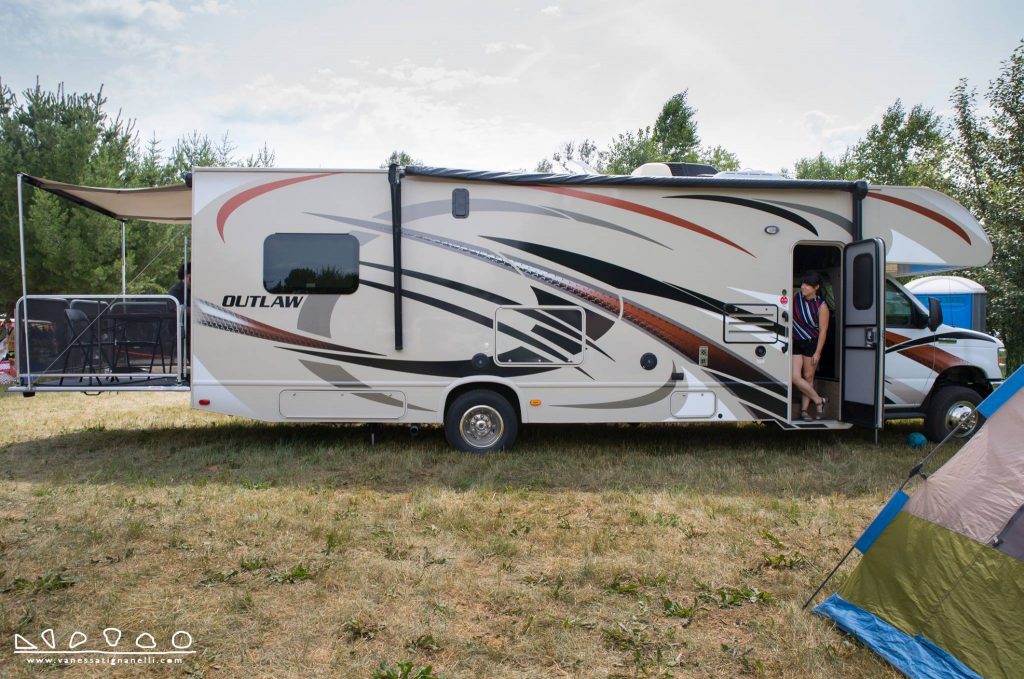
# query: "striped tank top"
805 317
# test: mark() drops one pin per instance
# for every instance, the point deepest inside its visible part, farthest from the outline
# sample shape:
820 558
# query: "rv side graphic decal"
260 301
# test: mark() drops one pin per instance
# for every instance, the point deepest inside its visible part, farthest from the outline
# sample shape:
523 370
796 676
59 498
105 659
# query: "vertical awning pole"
184 317
395 179
24 284
124 278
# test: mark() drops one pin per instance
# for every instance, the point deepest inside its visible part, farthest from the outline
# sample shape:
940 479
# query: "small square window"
460 203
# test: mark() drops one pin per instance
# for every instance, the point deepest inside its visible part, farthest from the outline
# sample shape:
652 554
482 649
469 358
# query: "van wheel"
948 408
481 421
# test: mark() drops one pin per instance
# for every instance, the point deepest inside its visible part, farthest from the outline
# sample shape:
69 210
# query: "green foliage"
358 628
785 561
988 177
719 157
903 149
622 584
49 582
402 158
217 577
424 643
674 609
675 130
747 664
770 537
296 574
728 596
254 564
906 148
823 167
629 151
672 138
405 670
70 137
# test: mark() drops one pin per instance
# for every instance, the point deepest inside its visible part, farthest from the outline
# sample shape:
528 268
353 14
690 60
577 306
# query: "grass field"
307 551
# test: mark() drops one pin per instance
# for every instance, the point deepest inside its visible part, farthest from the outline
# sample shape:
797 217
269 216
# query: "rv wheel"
481 421
948 407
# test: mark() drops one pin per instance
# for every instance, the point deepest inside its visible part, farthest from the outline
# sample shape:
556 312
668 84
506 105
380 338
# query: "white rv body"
593 299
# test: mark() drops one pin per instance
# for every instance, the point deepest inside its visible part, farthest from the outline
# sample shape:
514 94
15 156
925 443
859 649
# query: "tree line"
70 137
976 154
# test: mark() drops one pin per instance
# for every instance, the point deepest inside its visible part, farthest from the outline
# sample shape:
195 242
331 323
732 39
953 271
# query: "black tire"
481 421
947 407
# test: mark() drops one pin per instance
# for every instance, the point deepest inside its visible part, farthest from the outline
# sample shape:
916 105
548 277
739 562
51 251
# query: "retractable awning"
164 204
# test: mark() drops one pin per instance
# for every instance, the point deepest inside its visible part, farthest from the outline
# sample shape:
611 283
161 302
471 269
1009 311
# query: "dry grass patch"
303 551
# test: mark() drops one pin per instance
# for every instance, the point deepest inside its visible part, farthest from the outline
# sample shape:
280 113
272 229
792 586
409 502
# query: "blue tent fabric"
1004 393
884 518
916 657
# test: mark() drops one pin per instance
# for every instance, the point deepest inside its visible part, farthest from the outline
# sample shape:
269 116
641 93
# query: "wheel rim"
957 413
482 426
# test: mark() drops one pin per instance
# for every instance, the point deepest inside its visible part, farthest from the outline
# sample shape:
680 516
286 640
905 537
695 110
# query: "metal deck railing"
101 343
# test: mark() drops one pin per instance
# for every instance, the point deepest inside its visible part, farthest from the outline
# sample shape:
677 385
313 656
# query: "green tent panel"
927 580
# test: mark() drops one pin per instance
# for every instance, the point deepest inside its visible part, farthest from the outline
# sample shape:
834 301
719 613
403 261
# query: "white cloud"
552 10
825 130
498 47
213 7
116 14
363 121
439 78
136 29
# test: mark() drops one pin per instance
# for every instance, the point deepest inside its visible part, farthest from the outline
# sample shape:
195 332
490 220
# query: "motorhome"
484 301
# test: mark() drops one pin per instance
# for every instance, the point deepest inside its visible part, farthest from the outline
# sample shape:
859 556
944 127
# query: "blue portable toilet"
963 300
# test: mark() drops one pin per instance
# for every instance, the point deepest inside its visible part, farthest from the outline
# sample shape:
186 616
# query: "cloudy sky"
494 85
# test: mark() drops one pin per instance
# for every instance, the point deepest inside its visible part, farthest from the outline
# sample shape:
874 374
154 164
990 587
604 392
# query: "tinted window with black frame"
898 311
311 263
863 281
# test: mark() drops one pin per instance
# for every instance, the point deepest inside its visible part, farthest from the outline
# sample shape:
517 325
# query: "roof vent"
674 170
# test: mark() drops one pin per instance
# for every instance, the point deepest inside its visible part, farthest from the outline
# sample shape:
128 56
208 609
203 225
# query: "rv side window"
311 263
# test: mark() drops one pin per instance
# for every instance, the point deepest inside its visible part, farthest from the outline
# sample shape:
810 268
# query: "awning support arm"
24 283
124 277
395 179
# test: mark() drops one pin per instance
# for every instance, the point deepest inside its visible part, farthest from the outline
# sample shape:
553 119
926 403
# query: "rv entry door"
863 333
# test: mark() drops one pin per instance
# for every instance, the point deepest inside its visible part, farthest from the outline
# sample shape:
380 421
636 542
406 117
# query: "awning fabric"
164 204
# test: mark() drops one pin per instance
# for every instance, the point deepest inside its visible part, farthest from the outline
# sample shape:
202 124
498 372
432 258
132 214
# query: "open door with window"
863 333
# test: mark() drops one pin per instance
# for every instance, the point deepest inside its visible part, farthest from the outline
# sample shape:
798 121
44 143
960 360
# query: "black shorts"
802 347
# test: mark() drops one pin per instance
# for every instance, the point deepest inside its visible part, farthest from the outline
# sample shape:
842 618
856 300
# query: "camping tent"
939 591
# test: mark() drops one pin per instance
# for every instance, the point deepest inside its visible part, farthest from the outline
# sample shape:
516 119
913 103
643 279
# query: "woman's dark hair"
181 271
811 278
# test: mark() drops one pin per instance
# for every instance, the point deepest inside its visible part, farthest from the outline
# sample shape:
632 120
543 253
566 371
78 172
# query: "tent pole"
124 279
24 283
826 580
913 472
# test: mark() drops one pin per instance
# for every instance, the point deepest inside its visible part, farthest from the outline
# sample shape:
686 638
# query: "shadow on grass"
696 458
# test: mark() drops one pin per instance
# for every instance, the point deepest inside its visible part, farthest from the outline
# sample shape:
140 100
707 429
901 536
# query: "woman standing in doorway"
810 327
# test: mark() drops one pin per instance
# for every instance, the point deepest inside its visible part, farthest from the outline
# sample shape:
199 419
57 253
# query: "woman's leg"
806 388
808 374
